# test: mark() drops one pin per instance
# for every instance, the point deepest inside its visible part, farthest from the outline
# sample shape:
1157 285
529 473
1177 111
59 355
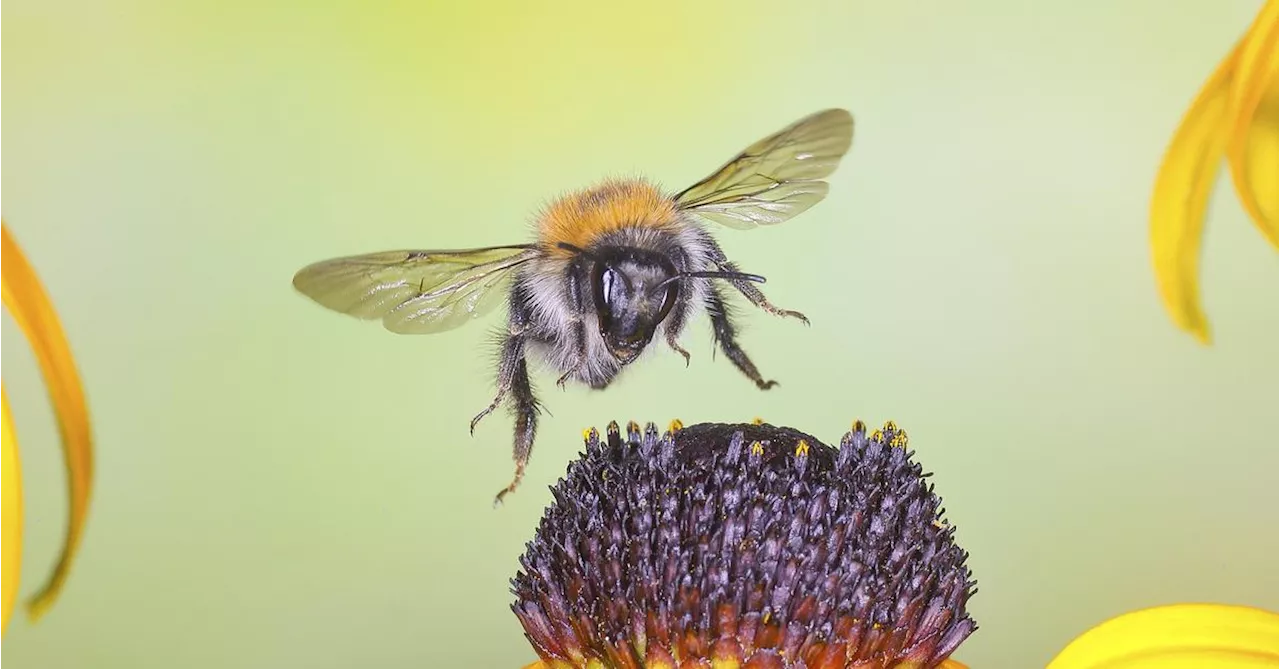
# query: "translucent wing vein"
776 178
414 292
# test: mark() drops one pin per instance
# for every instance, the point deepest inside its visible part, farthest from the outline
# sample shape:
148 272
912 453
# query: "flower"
1182 635
1234 116
27 302
754 545
743 546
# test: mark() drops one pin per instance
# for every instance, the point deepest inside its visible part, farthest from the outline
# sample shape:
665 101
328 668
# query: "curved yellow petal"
1181 192
30 307
10 512
1252 149
1177 637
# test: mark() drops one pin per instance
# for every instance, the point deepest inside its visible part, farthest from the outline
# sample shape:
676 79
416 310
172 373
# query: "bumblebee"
612 268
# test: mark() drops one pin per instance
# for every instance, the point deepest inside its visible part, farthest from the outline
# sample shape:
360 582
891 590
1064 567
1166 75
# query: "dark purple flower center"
749 543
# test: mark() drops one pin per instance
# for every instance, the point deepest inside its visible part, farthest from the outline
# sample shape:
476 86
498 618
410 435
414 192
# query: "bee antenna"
731 276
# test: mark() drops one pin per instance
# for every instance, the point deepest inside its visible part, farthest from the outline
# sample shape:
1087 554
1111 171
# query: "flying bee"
612 267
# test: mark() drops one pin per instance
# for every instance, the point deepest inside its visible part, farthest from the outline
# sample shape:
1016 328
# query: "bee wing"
775 178
414 292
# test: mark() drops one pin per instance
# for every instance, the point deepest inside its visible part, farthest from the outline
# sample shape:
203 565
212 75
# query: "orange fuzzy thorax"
582 217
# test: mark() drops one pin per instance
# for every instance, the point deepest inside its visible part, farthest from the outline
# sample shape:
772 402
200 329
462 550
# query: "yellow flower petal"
1181 192
29 305
1176 637
1252 152
10 512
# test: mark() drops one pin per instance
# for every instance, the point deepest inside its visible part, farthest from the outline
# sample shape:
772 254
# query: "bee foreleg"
676 321
577 328
578 341
726 338
675 346
526 410
756 296
747 288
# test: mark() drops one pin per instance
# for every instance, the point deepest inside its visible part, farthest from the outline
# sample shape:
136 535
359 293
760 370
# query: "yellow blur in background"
277 485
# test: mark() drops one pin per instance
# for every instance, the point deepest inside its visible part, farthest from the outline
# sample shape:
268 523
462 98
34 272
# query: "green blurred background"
281 486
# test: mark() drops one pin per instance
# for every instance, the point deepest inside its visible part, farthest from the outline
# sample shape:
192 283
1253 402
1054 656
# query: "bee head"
633 291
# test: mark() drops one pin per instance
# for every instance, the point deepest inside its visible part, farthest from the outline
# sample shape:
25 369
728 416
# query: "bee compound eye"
669 298
607 280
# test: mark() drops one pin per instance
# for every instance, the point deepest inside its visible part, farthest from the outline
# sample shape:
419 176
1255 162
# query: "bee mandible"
611 268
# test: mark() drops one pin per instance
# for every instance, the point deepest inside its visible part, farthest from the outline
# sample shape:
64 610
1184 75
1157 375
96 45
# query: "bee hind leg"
726 338
526 410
